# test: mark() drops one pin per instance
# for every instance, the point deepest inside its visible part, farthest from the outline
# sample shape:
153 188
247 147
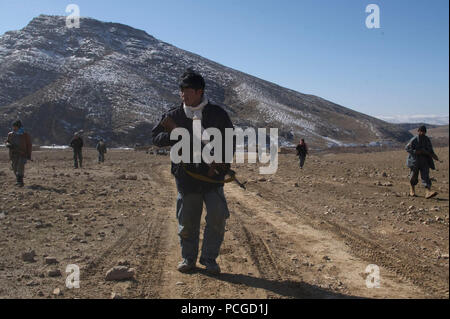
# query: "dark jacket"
76 143
302 149
19 145
212 116
101 147
417 143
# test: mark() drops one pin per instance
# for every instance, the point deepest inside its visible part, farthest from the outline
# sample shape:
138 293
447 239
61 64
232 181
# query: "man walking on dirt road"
197 183
302 151
20 148
420 159
77 145
101 149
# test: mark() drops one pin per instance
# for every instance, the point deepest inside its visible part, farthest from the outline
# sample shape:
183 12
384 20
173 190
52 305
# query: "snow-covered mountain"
113 81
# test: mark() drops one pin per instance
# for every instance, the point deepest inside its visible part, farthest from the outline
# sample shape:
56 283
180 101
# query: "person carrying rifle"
420 159
302 151
20 148
197 183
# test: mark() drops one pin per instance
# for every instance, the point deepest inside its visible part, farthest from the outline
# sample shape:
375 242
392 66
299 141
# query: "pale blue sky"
319 47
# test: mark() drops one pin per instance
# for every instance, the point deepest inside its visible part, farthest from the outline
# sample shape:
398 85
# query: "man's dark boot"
19 180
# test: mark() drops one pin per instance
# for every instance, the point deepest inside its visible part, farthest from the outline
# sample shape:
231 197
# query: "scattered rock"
54 273
32 283
50 260
120 273
180 283
29 256
57 292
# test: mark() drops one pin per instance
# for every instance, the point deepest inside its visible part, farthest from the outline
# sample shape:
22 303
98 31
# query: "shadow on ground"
287 288
48 189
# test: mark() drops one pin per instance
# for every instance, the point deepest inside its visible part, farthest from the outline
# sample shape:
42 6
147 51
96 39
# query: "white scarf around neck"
195 112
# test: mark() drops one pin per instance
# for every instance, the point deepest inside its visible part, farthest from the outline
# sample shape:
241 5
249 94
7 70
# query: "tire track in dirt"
425 276
141 245
414 271
95 271
346 269
156 243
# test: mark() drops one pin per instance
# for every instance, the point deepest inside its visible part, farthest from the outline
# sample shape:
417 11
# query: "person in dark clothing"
302 151
19 144
101 149
77 145
420 159
192 191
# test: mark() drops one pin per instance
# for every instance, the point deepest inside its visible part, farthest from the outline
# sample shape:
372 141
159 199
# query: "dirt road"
307 233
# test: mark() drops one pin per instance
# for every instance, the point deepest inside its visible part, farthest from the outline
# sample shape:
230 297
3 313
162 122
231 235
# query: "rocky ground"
307 233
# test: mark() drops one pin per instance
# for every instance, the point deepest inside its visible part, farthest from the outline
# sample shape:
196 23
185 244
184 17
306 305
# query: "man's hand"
215 168
169 124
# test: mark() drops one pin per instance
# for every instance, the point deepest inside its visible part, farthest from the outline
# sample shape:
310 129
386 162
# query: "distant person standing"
101 149
77 145
302 151
20 148
420 159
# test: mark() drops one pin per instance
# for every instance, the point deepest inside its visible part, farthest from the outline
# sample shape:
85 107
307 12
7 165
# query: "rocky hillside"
113 81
